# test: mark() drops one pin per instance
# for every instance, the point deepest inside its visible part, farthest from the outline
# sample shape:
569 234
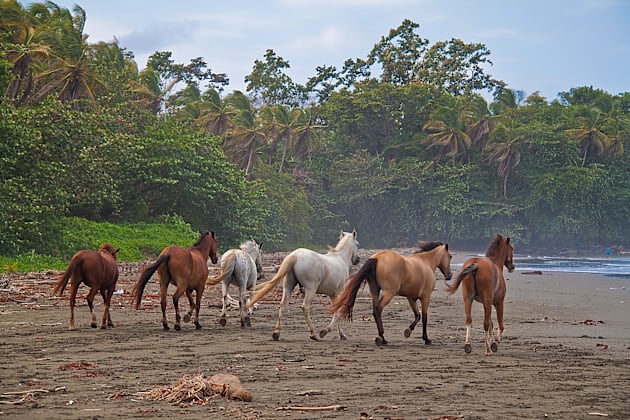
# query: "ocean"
615 265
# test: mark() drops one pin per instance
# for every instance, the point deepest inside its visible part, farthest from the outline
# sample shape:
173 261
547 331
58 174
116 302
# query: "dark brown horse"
389 274
482 280
99 271
187 270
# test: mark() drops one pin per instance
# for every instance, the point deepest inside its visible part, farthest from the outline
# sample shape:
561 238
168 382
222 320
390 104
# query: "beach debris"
592 322
602 346
199 390
334 407
596 413
536 272
28 395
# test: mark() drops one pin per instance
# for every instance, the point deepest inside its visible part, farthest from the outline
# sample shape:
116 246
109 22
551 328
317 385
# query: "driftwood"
334 407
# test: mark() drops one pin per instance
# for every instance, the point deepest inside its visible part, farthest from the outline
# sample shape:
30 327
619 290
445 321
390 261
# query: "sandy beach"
565 354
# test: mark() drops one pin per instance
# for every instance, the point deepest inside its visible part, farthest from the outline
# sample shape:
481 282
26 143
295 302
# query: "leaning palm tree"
504 152
214 113
589 132
445 130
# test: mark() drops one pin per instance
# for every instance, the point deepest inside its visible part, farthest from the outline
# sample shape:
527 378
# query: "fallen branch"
334 407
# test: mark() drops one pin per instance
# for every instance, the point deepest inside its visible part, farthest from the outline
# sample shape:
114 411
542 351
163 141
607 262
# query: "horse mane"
345 237
494 245
201 238
107 247
426 246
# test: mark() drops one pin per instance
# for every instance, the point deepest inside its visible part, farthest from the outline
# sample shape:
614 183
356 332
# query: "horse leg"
179 292
487 327
90 301
499 309
467 310
163 289
191 306
245 319
425 317
287 290
73 295
377 310
198 296
107 298
335 318
224 294
306 308
413 304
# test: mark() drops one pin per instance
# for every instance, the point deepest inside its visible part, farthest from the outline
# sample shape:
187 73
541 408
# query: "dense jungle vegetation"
400 145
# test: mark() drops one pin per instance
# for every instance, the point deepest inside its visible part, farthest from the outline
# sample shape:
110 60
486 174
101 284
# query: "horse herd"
387 274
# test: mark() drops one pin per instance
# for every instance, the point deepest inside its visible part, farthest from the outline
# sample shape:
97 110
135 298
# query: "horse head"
445 263
208 240
355 249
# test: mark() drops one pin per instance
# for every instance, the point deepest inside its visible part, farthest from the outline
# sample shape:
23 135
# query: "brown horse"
389 274
99 271
186 269
482 280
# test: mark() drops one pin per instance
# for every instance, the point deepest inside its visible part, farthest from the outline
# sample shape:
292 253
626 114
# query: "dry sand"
565 354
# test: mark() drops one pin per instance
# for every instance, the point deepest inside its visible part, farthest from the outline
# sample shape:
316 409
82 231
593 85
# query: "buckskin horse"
187 270
389 274
482 280
99 271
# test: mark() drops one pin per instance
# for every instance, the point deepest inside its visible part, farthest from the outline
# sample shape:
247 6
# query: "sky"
549 46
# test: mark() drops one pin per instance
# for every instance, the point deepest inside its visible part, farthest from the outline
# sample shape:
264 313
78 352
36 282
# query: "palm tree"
214 113
246 132
589 134
504 153
479 122
446 132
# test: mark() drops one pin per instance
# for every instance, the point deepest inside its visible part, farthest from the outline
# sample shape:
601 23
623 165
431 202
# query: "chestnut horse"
482 280
187 270
316 274
99 271
388 274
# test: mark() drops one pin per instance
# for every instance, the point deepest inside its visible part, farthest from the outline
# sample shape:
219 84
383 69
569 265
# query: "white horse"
316 274
243 268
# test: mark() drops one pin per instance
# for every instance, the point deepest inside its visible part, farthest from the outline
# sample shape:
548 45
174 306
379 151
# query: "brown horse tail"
138 287
62 279
344 303
472 268
285 268
227 268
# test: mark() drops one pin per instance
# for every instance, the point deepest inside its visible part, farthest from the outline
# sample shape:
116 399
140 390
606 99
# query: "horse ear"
446 246
507 240
260 246
212 233
118 250
354 233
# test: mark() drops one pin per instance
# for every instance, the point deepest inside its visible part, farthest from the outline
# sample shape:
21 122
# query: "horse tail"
344 303
472 268
138 287
227 268
285 268
63 278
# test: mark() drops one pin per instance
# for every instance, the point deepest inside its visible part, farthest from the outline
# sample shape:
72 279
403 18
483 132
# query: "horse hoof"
343 337
323 333
467 348
407 333
380 341
165 327
494 347
314 337
187 318
103 327
427 342
197 326
93 325
276 336
178 327
248 322
223 321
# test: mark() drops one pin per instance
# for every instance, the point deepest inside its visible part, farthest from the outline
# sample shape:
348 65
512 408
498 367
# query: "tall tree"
447 133
589 134
270 85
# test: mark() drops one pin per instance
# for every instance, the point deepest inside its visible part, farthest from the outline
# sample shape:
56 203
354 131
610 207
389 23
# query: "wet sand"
565 354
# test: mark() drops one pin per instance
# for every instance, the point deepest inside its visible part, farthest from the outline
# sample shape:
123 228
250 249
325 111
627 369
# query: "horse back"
406 276
488 279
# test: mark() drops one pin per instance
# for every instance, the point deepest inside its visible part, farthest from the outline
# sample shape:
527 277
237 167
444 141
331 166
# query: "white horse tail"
285 268
227 268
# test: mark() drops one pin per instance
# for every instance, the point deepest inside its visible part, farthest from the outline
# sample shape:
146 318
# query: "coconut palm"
447 133
589 132
504 152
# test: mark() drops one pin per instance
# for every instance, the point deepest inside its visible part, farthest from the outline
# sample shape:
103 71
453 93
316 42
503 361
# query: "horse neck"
498 258
431 257
344 250
203 248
